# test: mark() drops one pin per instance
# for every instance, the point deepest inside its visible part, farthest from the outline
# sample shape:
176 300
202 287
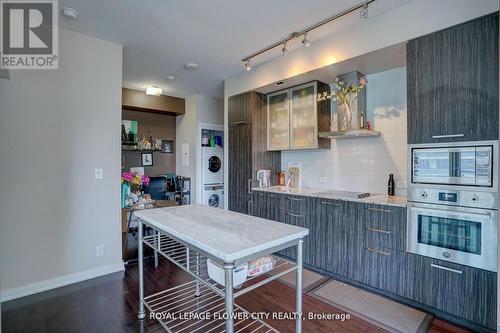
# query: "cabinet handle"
331 203
379 251
447 269
379 210
249 207
448 136
239 123
379 230
294 199
250 186
294 215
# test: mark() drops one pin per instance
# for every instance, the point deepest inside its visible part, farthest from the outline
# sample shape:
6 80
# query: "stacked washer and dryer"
213 176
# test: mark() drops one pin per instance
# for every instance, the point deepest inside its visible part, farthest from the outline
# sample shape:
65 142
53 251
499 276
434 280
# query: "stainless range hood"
355 133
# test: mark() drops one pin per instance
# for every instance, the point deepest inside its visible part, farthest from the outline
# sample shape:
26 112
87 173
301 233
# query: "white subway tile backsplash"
364 164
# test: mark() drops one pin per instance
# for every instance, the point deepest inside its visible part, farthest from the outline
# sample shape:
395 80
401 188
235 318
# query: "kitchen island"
192 236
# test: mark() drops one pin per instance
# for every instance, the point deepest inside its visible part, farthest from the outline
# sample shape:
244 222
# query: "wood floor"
109 304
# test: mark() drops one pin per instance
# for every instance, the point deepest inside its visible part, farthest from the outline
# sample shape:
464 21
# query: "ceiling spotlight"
190 66
306 42
153 91
284 50
248 67
170 77
363 13
69 13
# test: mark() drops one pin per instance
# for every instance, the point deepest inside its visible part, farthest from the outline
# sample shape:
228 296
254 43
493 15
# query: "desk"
130 211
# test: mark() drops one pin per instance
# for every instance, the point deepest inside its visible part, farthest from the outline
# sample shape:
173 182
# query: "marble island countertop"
226 235
374 198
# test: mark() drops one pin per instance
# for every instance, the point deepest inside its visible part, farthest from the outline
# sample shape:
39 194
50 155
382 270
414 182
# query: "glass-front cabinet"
278 121
292 118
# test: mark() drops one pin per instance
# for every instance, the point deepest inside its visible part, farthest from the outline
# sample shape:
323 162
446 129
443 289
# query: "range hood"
355 133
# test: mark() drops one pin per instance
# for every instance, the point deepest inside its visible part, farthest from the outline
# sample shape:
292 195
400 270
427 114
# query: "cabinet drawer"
462 291
385 226
294 204
383 269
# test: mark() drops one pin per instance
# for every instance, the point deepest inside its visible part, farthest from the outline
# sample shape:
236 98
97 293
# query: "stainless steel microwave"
472 164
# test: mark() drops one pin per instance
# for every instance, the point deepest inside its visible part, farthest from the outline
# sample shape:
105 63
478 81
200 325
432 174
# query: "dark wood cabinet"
452 83
465 292
247 151
384 226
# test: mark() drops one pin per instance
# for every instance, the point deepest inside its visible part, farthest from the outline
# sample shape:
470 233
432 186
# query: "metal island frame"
189 236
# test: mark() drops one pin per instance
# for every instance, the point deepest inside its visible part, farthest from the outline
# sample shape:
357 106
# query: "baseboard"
57 282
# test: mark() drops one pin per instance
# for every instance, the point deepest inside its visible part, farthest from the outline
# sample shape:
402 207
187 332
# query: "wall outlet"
323 180
99 250
98 173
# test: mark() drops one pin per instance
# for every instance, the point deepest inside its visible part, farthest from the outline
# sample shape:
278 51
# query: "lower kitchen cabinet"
462 291
385 226
238 203
384 269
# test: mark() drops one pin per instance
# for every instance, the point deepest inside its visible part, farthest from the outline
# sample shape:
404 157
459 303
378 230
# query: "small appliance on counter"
264 178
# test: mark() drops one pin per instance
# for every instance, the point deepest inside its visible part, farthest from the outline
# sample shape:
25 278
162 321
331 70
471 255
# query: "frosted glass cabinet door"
278 123
303 117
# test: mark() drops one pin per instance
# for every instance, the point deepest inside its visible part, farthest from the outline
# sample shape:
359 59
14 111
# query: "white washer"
212 165
213 195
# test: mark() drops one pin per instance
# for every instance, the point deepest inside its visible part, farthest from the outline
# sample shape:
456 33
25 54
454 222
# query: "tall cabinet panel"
452 83
247 151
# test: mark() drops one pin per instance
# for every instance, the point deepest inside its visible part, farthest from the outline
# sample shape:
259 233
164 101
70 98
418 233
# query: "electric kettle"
264 178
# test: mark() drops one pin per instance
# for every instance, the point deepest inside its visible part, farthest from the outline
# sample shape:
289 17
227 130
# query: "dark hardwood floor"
109 304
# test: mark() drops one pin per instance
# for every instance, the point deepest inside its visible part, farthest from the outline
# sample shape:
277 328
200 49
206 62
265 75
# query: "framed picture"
167 146
129 131
147 159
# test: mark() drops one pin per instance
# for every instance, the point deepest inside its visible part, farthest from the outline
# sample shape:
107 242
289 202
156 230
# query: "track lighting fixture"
306 42
362 7
284 50
363 13
248 67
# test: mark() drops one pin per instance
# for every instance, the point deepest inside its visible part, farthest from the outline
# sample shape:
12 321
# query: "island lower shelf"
200 304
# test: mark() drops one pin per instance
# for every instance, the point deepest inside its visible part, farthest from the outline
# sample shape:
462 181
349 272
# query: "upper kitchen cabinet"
295 117
452 82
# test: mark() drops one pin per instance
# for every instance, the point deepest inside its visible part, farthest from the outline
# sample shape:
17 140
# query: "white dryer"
212 165
213 195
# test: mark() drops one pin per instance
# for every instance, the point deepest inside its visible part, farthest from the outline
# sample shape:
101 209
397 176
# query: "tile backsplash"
364 164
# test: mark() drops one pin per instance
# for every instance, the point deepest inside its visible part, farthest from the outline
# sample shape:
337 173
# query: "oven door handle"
487 214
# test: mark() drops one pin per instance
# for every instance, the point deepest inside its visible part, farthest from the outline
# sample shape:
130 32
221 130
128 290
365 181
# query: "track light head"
306 42
284 50
363 13
248 67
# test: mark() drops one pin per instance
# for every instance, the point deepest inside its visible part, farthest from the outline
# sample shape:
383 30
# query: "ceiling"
160 36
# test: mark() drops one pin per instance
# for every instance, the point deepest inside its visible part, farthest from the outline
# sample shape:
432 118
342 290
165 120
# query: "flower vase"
125 192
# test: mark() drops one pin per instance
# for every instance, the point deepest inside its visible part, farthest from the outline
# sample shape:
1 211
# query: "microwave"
458 164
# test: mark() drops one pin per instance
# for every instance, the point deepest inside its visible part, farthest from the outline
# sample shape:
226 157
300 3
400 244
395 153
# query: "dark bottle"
390 185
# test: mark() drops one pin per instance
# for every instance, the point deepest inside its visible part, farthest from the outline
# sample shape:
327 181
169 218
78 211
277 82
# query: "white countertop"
226 235
379 199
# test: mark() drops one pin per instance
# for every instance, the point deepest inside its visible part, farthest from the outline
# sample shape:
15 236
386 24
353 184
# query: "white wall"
199 109
364 164
56 126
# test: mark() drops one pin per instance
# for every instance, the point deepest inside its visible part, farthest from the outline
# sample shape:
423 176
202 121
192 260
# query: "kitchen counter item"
189 236
264 178
380 199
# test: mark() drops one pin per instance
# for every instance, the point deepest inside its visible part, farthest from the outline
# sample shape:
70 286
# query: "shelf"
206 311
351 134
195 264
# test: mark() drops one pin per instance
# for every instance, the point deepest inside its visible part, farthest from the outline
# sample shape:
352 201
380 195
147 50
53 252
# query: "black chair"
156 188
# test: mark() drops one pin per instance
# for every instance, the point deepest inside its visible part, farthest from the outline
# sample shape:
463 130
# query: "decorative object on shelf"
129 132
349 116
125 192
167 146
147 159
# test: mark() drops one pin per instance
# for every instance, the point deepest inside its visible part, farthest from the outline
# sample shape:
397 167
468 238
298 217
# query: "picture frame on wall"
167 146
147 159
